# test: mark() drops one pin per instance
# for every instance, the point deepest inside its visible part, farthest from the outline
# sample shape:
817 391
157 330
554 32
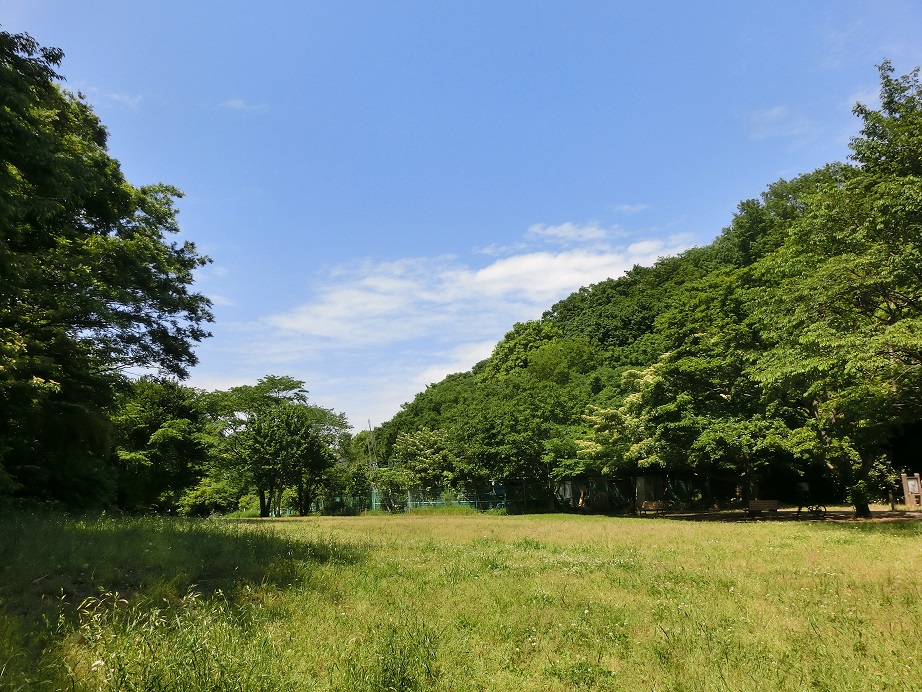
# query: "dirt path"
835 514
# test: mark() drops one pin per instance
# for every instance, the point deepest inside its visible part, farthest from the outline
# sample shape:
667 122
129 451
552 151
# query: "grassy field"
458 602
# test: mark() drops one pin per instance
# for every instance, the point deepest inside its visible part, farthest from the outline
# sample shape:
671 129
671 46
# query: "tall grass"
81 597
441 601
197 644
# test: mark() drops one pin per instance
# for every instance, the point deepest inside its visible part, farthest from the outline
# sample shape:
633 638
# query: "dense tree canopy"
266 436
161 444
790 347
843 316
89 283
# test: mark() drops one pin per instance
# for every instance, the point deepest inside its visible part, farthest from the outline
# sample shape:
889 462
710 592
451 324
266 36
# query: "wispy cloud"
377 332
494 250
630 209
236 104
782 122
402 300
100 97
568 233
840 44
129 100
560 236
219 299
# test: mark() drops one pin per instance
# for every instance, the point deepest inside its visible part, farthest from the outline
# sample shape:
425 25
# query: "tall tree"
429 457
89 284
274 439
322 433
843 317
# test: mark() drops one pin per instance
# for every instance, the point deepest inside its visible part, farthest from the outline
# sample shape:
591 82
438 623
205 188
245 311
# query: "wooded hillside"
789 348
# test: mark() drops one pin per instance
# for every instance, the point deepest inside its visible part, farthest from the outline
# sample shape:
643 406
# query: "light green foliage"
516 350
891 139
391 483
562 361
214 492
428 455
436 407
621 438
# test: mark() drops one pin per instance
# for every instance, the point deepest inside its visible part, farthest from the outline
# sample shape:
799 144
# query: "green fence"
517 496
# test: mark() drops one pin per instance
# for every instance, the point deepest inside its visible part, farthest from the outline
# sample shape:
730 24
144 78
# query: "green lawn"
458 602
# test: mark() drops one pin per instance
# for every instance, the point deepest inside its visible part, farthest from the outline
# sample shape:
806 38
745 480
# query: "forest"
788 350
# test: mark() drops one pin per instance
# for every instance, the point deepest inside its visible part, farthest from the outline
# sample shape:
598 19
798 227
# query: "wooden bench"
756 507
655 506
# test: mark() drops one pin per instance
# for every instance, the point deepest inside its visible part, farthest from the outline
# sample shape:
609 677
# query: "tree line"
789 348
91 288
253 447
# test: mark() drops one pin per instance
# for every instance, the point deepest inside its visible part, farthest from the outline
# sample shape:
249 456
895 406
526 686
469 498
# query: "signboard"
912 490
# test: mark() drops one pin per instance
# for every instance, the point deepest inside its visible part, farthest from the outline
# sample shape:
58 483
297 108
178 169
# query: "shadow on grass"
881 521
51 562
146 594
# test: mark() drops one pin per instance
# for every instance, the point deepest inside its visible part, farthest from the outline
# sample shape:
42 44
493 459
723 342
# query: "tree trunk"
276 499
301 503
263 504
306 501
859 490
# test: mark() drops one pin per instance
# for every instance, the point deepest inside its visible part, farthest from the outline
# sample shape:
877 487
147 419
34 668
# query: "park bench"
756 507
655 506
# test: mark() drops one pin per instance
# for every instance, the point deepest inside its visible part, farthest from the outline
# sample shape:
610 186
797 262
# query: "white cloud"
242 105
568 232
220 299
420 297
369 335
781 122
631 209
130 100
646 248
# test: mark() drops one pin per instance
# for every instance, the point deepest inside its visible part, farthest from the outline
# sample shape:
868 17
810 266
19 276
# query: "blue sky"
387 187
